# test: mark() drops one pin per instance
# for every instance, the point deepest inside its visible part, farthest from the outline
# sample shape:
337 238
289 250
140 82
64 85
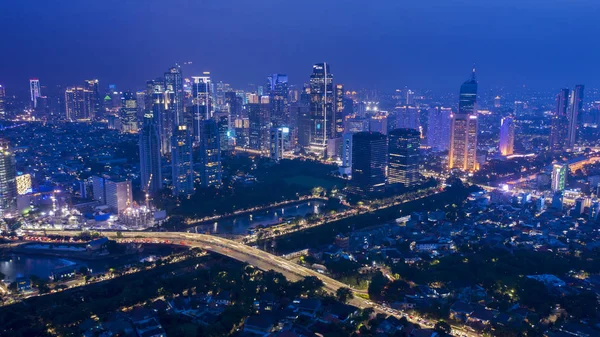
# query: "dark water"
240 225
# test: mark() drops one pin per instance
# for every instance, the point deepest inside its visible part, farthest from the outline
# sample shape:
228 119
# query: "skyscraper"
339 110
8 183
559 177
2 102
78 104
95 98
278 142
438 128
34 91
403 157
560 122
129 112
182 162
210 154
369 163
278 99
322 113
507 136
258 116
118 194
174 89
575 109
463 129
150 156
346 167
202 102
407 117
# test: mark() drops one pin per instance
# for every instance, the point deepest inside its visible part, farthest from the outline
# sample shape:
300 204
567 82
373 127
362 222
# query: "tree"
442 328
378 283
344 294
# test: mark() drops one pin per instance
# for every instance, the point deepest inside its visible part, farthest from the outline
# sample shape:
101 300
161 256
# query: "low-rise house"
261 325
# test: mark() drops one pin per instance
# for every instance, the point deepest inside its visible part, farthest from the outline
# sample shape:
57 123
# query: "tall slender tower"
278 99
202 102
575 108
339 110
8 182
403 157
210 154
150 158
560 122
463 128
96 101
507 136
2 102
35 92
322 113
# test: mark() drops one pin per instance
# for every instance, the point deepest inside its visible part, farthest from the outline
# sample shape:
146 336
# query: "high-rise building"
507 136
96 100
497 102
278 142
438 128
8 183
182 162
129 112
2 102
463 129
322 112
403 157
157 107
150 155
78 104
339 109
346 167
278 99
379 123
560 122
175 95
210 154
98 189
301 111
369 163
575 109
258 116
34 91
224 132
202 102
407 117
559 177
118 194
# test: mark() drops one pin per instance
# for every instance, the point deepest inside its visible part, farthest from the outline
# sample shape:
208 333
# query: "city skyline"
425 28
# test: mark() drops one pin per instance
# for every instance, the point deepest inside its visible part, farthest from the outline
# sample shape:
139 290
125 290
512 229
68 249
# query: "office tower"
575 109
129 112
141 101
258 116
95 99
346 168
150 155
279 137
438 128
322 112
463 129
201 101
560 122
224 132
339 110
234 103
34 91
78 104
302 113
559 177
407 117
497 102
594 211
181 162
369 163
507 136
210 154
2 101
98 189
403 157
8 183
379 123
356 124
410 97
174 96
118 194
278 99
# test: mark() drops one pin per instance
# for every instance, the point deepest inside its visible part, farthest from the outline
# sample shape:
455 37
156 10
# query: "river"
240 224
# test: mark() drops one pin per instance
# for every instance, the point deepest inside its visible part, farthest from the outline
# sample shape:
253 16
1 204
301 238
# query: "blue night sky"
381 44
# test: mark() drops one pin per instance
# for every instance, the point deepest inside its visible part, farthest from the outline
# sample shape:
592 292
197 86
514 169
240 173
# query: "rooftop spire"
473 77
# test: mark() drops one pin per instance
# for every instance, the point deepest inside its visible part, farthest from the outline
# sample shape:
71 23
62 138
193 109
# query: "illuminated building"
407 117
202 102
23 184
118 195
339 110
560 123
378 123
369 163
463 129
403 157
346 167
497 102
95 98
278 99
34 91
258 116
128 112
210 154
2 101
150 155
8 184
322 112
181 162
78 104
507 136
575 109
278 142
438 128
559 177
